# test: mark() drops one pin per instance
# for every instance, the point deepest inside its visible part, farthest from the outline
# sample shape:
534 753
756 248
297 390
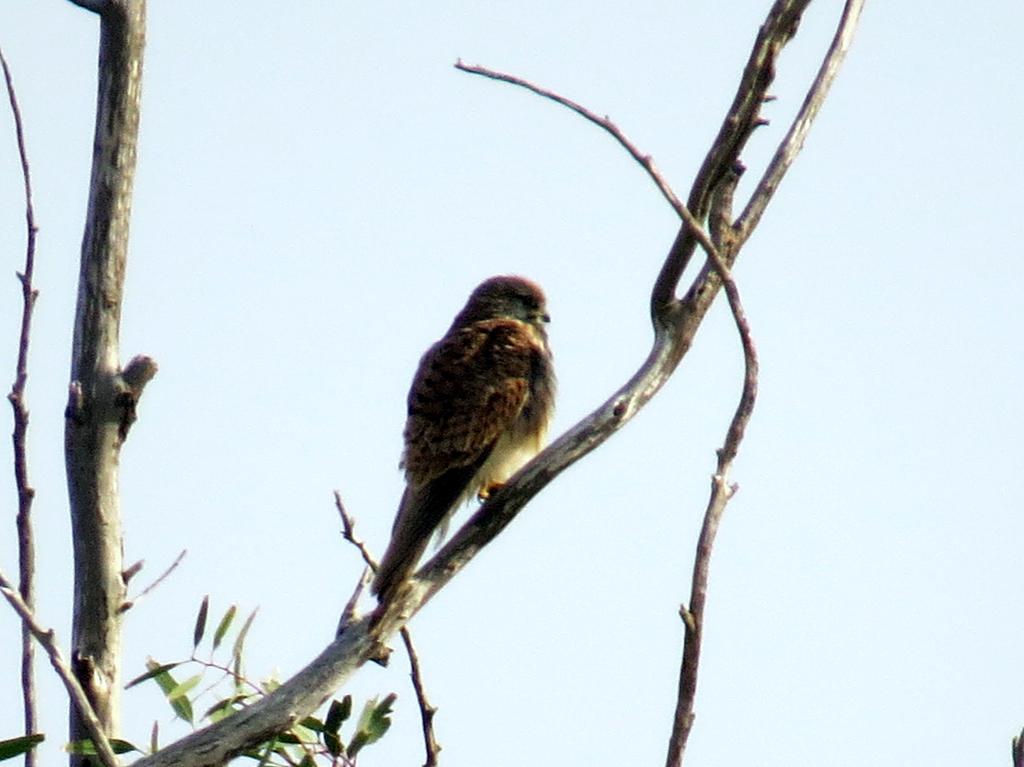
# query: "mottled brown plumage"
479 408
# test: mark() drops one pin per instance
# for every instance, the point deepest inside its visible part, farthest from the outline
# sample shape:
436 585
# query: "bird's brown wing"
468 391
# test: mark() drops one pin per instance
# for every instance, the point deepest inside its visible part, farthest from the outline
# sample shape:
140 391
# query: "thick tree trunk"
101 402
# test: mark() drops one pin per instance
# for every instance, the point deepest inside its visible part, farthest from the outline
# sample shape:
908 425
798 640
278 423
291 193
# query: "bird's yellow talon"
488 490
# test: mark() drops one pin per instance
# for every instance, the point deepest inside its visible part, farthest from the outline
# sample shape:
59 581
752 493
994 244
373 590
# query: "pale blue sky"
318 191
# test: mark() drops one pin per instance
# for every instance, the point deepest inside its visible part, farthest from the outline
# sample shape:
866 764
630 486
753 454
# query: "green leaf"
13 747
236 672
153 672
373 723
200 629
183 689
303 734
338 713
223 626
236 651
312 723
87 748
181 705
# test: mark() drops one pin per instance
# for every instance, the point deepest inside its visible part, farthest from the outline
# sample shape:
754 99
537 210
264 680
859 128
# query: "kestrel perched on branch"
479 408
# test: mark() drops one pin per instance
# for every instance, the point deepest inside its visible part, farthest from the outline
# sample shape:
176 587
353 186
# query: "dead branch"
26 493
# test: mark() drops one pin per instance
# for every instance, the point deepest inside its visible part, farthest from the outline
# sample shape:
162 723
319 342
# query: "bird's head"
506 296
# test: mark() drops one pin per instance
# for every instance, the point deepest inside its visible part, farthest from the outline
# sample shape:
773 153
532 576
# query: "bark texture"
99 396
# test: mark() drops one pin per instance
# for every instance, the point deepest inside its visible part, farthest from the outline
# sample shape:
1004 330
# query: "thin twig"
26 493
602 122
130 603
46 639
348 532
427 711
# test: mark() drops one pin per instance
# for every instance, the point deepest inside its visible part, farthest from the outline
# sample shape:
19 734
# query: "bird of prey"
478 410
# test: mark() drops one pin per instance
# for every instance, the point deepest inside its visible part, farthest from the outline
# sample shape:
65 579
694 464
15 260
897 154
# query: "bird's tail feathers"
422 511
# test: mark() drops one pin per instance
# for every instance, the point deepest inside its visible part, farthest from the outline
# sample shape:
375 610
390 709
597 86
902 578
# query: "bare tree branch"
130 603
80 701
96 413
721 490
1017 750
427 711
26 493
675 322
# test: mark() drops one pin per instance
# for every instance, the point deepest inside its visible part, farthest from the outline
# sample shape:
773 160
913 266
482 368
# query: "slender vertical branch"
96 413
26 493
